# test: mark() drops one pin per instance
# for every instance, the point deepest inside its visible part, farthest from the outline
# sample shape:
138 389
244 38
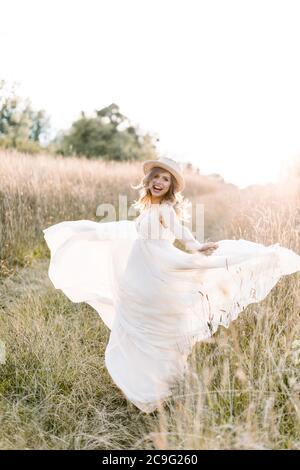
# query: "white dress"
156 299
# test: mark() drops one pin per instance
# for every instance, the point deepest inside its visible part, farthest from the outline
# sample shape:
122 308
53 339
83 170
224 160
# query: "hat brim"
149 164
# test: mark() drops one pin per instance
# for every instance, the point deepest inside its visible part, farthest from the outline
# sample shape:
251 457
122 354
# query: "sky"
217 81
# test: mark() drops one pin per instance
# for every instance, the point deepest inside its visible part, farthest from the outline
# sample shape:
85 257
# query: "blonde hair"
180 204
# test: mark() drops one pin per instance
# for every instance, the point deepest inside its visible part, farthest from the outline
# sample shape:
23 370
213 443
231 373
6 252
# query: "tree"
109 134
21 126
40 124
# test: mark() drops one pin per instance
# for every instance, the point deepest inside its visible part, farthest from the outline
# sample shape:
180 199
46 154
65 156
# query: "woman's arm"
170 220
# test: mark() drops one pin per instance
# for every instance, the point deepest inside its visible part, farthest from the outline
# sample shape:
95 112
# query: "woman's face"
160 183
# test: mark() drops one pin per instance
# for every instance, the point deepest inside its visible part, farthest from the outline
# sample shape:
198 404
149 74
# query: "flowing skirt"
156 299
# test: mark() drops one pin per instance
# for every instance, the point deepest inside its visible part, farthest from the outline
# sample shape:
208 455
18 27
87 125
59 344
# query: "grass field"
243 391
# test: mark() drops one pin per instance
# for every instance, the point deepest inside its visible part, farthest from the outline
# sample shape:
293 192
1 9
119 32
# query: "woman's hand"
208 248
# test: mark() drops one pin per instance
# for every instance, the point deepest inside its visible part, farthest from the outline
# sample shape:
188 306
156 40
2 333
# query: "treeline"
107 134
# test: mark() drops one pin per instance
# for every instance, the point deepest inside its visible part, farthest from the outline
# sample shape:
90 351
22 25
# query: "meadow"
243 389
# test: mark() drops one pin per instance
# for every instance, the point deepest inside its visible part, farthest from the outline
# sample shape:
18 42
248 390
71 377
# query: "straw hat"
169 165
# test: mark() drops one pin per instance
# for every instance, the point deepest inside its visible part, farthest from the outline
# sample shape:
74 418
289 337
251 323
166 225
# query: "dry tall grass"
37 191
243 389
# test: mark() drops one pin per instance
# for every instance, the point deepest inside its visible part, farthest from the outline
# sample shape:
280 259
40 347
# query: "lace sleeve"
170 220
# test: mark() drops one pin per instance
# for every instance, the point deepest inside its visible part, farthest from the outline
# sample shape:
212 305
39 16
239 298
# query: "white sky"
217 81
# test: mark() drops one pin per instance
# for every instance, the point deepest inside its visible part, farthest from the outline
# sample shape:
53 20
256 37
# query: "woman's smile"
156 188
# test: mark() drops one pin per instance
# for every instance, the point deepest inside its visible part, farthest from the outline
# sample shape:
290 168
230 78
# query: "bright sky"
217 81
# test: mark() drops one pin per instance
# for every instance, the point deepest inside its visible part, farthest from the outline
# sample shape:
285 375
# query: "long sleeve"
170 220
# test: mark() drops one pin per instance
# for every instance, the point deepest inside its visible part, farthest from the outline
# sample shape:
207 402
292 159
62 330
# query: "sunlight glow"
217 82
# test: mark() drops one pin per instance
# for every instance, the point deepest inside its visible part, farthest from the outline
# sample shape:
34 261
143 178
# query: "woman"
159 300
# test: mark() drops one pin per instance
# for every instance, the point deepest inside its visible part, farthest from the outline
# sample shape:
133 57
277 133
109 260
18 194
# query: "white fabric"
157 299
